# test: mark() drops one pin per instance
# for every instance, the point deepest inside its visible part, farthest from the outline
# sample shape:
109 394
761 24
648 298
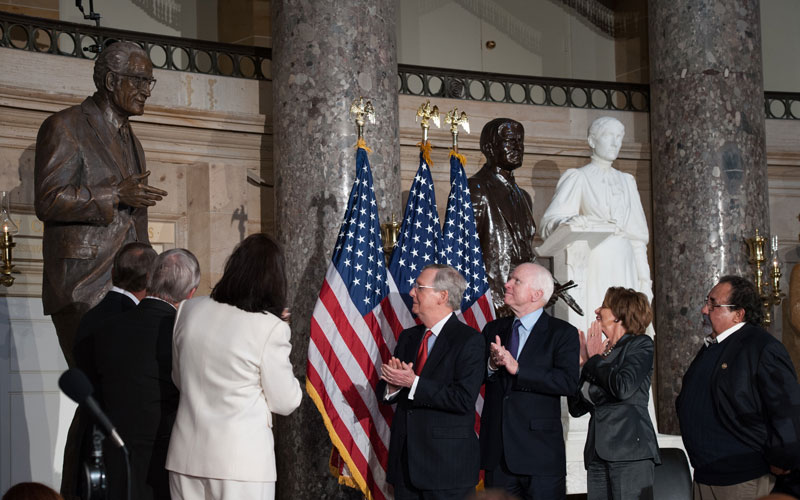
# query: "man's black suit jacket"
437 427
134 368
620 428
521 417
79 438
756 396
112 304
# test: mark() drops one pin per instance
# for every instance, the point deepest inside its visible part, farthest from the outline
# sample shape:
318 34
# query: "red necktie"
422 353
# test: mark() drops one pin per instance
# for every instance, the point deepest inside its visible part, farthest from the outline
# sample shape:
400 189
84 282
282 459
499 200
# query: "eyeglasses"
711 306
140 82
417 286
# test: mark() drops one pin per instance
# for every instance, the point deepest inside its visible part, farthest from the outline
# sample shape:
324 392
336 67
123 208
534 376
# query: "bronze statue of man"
503 211
91 187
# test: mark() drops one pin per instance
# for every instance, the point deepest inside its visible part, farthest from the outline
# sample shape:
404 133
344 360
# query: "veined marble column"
325 55
709 167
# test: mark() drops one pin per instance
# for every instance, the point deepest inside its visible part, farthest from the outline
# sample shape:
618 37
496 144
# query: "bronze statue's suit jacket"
79 162
505 226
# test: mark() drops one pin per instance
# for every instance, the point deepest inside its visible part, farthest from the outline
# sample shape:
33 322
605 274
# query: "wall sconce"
389 232
7 242
757 246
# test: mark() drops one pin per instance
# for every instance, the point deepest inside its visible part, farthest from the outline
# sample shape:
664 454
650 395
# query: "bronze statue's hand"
134 192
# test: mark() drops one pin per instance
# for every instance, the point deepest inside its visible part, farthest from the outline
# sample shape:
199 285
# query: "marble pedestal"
569 247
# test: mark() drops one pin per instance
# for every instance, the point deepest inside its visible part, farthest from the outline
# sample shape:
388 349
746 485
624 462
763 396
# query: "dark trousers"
619 480
66 322
404 490
526 487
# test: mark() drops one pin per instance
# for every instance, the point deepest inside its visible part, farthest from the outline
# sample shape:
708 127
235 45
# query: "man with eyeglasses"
739 405
434 377
91 192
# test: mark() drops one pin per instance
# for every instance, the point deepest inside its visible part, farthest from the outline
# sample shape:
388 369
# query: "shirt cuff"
490 371
387 396
413 388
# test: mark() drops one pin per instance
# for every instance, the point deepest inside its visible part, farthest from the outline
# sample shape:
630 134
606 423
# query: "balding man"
434 377
532 362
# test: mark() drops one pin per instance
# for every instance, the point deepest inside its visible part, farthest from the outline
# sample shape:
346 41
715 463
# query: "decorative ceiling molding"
166 12
594 12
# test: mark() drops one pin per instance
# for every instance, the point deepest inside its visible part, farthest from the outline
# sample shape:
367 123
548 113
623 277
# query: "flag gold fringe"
357 480
363 145
426 152
461 157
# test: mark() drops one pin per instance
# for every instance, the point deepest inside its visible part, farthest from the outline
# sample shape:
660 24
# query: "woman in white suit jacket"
231 365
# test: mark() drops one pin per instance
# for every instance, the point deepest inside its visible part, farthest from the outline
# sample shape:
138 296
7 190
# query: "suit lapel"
113 148
537 335
440 347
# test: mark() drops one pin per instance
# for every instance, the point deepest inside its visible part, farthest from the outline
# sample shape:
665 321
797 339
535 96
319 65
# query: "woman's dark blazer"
620 428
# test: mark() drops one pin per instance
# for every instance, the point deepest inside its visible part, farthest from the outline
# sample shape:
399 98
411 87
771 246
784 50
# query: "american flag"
353 330
418 243
461 248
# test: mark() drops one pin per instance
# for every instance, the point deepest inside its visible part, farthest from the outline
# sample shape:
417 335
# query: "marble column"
325 55
709 167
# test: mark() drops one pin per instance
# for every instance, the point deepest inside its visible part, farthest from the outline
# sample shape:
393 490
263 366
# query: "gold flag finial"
454 119
361 110
425 113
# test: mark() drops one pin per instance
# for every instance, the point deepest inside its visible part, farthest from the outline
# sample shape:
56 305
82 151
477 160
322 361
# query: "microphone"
76 385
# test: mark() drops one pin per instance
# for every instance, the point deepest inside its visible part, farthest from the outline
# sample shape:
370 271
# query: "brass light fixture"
7 242
389 231
757 247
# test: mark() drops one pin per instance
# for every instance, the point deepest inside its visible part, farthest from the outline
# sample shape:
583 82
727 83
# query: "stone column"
325 55
709 167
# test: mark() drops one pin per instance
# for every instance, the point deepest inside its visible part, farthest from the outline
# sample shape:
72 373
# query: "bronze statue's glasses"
140 82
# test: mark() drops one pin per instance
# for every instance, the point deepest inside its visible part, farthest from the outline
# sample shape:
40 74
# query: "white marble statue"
597 195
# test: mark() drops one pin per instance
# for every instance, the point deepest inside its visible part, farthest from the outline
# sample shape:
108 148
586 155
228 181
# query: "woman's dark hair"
745 296
254 279
31 491
630 307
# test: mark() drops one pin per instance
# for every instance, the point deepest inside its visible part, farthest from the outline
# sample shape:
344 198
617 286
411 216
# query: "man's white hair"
541 279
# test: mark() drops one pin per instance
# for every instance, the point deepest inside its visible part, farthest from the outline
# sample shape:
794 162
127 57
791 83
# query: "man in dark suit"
128 278
532 361
134 376
739 406
434 377
90 188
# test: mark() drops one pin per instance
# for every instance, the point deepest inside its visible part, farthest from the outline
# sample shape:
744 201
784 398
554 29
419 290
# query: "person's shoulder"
558 325
640 341
498 324
461 327
573 175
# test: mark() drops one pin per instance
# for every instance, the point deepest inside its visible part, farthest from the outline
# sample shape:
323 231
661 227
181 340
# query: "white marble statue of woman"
600 194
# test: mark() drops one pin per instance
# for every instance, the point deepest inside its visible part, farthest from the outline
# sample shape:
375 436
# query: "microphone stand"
127 456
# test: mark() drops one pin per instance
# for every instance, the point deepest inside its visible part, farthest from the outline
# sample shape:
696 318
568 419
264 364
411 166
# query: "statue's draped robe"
600 191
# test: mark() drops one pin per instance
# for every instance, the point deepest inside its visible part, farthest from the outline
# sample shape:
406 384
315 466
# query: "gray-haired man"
434 377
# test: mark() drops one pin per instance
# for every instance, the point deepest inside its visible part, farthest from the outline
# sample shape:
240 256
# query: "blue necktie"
513 344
